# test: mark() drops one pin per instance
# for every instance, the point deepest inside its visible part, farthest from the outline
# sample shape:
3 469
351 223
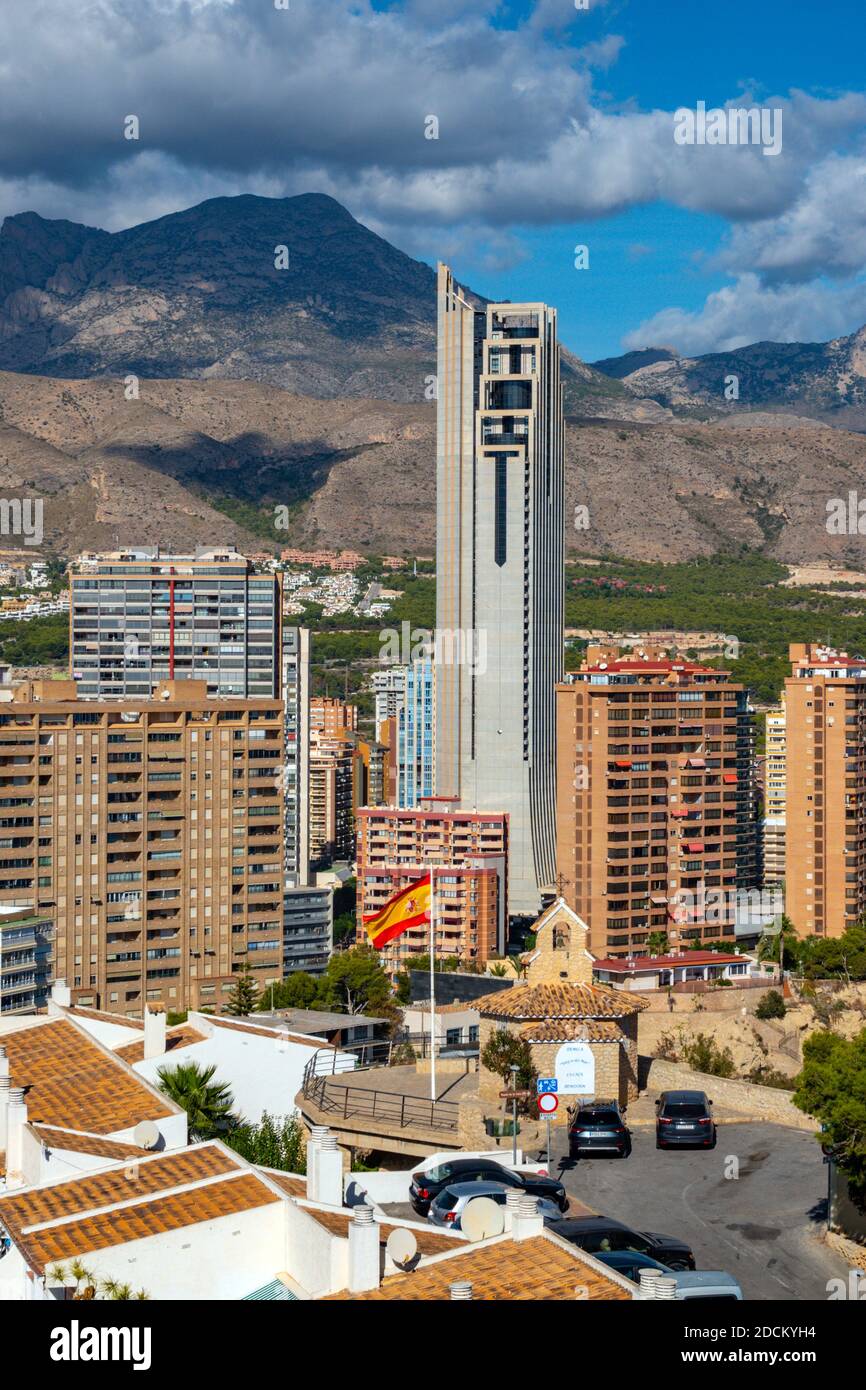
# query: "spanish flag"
406 909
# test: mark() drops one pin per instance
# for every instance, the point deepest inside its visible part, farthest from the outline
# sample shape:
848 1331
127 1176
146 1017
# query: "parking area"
764 1226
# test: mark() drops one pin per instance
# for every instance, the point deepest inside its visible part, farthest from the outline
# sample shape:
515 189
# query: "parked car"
600 1234
599 1128
684 1117
448 1207
691 1283
426 1185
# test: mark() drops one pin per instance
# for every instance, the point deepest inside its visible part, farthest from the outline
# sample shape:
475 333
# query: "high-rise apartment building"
330 717
654 802
389 689
825 769
775 797
152 832
26 958
333 780
296 766
416 772
138 617
308 929
499 572
469 853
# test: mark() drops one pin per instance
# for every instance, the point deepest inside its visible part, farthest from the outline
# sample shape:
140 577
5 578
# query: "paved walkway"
406 1081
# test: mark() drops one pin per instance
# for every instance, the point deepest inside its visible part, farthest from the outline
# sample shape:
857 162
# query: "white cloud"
749 311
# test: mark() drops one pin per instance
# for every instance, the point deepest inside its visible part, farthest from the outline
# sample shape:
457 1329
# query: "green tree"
355 983
300 990
771 1005
504 1050
244 996
274 1143
832 1088
657 943
208 1103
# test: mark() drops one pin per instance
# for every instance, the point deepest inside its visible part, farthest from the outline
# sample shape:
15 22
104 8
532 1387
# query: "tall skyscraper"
139 617
499 572
415 741
296 767
825 815
655 805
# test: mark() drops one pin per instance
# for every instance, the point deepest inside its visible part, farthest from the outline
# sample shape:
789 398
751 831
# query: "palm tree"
208 1103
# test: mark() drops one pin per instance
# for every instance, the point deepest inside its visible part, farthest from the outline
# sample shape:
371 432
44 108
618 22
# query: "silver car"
447 1208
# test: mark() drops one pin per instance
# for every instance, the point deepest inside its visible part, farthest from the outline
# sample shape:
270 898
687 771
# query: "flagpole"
432 984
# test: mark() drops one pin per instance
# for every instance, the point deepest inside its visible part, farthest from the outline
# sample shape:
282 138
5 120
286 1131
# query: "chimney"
324 1168
527 1220
656 1286
364 1253
512 1198
16 1119
60 997
154 1034
460 1290
4 1062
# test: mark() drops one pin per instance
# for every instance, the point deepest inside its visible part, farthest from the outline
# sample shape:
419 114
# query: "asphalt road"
763 1227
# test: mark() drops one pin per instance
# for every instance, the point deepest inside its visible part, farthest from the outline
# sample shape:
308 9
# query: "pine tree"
244 996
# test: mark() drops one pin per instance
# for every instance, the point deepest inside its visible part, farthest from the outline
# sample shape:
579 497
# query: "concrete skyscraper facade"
499 571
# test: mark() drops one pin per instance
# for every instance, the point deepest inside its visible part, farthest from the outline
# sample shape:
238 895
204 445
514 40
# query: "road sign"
547 1102
514 1095
546 1083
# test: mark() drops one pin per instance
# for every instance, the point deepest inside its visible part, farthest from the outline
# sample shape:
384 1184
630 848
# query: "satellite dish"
146 1134
482 1217
401 1247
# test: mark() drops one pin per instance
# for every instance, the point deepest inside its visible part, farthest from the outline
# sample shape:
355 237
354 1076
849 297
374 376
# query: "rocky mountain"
199 294
211 460
821 381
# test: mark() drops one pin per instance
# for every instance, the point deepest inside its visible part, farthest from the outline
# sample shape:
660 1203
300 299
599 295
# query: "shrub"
771 1005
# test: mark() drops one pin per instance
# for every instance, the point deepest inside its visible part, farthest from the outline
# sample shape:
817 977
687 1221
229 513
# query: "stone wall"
754 1102
711 1001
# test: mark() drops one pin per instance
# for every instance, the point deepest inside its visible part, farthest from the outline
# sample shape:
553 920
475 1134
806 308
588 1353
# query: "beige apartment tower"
825 847
654 800
152 832
499 572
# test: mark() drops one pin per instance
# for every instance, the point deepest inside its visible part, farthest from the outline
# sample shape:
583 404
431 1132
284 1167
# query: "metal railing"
347 1101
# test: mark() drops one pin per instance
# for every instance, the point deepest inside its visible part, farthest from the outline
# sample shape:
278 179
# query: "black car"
599 1128
427 1185
684 1117
599 1234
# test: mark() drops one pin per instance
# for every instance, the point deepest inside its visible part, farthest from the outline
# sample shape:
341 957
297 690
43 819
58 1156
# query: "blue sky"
556 129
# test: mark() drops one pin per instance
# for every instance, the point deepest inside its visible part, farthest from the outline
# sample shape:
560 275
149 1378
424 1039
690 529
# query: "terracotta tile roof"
429 1242
292 1184
627 964
560 999
46 1244
537 1269
572 1030
73 1083
140 1178
85 1143
182 1036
